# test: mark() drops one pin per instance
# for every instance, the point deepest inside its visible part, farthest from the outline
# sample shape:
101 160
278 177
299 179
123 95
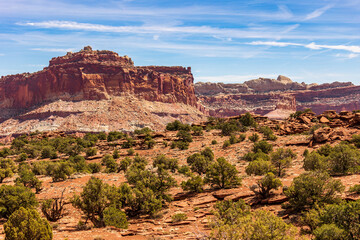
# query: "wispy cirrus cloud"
53 49
318 12
314 46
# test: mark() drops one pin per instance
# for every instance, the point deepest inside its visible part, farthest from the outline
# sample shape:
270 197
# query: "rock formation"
93 76
276 98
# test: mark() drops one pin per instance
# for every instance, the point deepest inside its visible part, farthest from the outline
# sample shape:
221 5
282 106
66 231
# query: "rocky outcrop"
95 75
276 98
96 91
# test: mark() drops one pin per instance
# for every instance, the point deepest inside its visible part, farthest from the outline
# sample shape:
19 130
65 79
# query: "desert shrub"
116 154
95 198
124 164
306 153
79 164
185 170
94 167
112 136
145 130
242 137
259 155
282 159
254 137
314 161
199 162
40 167
197 131
182 145
262 145
5 152
161 161
26 224
22 157
268 133
91 152
229 128
356 140
109 162
237 223
194 184
128 143
247 120
312 188
213 142
48 152
226 144
355 189
298 113
325 150
177 125
344 159
266 184
28 179
178 217
115 217
334 221
14 197
184 136
259 167
222 174
59 171
130 151
150 143
7 169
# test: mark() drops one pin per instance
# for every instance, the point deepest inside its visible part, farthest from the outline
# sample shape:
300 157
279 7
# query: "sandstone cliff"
276 98
93 76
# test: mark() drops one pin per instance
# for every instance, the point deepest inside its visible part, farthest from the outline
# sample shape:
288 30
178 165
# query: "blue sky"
223 41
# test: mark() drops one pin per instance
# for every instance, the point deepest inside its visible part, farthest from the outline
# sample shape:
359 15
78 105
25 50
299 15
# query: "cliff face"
276 98
96 75
97 79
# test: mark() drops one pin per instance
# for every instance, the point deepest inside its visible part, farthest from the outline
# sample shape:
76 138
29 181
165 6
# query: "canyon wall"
276 98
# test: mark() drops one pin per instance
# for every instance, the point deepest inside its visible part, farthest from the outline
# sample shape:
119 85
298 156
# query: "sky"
222 40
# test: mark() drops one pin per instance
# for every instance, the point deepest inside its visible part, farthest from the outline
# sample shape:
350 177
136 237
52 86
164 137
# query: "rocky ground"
197 207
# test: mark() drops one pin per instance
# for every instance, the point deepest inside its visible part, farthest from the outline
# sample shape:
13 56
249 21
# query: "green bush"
185 170
129 143
116 154
145 130
95 198
60 171
311 188
194 184
7 169
213 142
48 152
28 179
226 144
178 217
315 162
282 159
14 197
94 167
259 155
268 133
259 167
115 217
26 224
182 145
254 137
91 152
234 221
247 120
161 161
197 131
222 174
130 151
124 164
325 150
199 162
334 221
109 162
184 136
355 189
344 159
112 136
263 145
177 125
40 167
266 184
356 140
22 157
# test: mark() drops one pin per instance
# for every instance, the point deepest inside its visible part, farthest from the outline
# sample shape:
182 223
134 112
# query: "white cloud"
53 49
1 54
314 46
348 56
318 12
